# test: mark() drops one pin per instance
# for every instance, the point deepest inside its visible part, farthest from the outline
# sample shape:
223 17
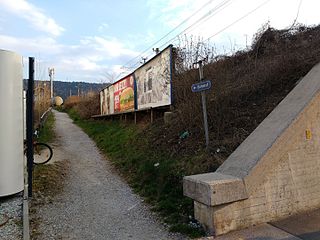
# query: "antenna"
156 50
144 59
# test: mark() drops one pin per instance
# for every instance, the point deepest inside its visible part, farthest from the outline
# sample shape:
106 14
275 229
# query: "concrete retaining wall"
274 173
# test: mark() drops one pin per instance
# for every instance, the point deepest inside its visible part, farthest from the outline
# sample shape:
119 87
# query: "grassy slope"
153 174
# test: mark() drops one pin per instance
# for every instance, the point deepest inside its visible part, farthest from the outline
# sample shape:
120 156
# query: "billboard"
123 92
153 81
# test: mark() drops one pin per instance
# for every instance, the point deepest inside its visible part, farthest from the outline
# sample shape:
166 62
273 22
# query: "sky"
102 40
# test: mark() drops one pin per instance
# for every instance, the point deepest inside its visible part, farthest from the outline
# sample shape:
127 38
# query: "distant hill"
65 89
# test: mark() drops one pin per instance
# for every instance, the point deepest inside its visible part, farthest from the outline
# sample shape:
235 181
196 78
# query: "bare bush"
42 100
246 87
71 102
88 105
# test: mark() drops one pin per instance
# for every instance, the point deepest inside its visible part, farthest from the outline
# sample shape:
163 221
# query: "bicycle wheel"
42 153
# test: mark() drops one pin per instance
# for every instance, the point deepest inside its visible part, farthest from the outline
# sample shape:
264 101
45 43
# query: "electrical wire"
209 13
179 25
239 19
167 34
207 16
212 12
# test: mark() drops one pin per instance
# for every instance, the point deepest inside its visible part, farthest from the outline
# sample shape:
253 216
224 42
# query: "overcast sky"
92 40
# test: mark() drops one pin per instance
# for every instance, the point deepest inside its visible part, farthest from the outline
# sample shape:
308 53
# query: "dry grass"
48 181
246 88
71 101
42 101
86 106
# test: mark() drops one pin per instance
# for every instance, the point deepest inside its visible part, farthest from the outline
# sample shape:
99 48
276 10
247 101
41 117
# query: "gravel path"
96 202
11 217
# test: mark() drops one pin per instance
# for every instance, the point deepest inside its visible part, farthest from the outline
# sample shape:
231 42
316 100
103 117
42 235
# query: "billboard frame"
133 74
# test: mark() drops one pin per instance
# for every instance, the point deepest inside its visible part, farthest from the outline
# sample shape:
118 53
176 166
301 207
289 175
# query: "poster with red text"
124 94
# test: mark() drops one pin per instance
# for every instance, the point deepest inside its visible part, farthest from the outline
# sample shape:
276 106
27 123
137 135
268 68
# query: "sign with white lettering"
201 86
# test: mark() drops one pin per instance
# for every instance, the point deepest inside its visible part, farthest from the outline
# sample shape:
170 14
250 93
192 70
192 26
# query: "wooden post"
151 114
204 106
135 117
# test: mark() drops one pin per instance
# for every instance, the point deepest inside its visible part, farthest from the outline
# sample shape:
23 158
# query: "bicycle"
42 152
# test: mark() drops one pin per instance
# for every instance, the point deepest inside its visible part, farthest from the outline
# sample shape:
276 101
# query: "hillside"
65 89
247 86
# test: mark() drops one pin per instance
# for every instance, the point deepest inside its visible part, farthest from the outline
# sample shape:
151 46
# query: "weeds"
47 179
246 87
86 106
47 133
42 101
47 183
154 175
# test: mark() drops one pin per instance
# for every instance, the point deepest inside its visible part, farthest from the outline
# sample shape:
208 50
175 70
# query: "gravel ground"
11 217
96 203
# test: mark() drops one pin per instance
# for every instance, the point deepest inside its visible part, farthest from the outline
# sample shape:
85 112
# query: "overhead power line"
212 12
208 15
179 25
239 19
204 18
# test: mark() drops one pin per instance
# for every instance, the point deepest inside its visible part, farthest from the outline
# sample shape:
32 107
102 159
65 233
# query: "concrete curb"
25 215
260 232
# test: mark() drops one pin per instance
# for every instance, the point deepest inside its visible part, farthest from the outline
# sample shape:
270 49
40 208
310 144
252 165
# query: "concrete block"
168 117
214 188
204 214
260 232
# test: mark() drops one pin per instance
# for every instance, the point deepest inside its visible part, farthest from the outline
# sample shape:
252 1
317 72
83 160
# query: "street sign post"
202 86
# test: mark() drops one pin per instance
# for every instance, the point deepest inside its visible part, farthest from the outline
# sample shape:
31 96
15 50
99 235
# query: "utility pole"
204 106
51 75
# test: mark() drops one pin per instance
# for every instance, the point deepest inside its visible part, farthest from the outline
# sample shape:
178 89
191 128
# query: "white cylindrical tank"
11 123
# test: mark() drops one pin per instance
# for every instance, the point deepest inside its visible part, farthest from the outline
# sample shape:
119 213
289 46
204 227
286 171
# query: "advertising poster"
106 101
124 94
111 102
154 81
103 105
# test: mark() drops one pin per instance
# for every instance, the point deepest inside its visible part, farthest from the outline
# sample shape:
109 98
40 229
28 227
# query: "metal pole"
29 124
51 75
204 107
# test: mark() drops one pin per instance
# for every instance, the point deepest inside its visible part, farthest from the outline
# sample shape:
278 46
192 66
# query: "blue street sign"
201 86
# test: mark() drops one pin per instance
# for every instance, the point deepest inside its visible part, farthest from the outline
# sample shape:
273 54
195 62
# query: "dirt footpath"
96 203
